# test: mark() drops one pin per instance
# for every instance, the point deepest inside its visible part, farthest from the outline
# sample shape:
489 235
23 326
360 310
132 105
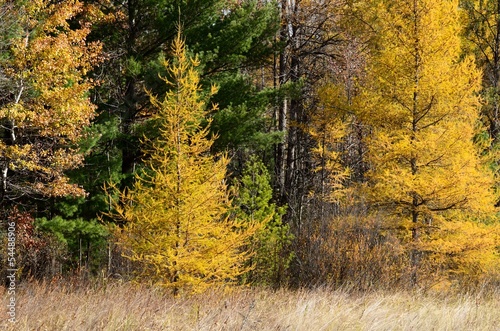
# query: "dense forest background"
281 143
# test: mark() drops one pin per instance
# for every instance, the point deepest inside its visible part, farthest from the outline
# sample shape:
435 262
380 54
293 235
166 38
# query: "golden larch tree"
421 102
176 214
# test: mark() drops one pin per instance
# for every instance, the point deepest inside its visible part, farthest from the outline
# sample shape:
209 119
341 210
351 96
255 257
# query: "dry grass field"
127 307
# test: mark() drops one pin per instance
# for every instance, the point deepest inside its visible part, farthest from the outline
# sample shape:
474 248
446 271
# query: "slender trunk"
414 254
110 260
10 139
178 202
283 107
296 148
495 121
87 255
5 171
323 175
80 254
128 148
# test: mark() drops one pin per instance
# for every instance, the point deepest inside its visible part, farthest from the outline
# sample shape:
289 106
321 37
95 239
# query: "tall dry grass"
125 306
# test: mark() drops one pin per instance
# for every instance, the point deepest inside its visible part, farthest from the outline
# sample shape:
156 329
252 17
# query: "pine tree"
175 215
227 36
422 104
269 244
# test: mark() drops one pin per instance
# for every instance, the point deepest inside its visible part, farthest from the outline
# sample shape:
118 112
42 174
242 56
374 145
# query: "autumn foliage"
44 103
176 221
353 142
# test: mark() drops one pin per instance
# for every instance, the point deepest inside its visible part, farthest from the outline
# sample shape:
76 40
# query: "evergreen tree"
270 243
228 36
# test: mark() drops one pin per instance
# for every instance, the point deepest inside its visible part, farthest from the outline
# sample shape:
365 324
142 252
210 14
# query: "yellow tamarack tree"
175 215
421 102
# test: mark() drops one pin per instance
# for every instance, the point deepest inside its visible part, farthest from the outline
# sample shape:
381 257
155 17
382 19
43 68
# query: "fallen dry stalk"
123 306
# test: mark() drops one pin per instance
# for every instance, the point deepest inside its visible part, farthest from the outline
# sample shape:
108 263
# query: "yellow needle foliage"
422 105
175 216
328 127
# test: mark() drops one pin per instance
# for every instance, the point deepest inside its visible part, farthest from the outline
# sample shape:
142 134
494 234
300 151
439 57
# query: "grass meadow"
124 306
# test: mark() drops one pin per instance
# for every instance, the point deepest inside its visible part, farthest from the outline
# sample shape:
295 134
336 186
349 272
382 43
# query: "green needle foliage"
270 242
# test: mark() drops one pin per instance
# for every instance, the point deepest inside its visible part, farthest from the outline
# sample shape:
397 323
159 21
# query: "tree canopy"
276 142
